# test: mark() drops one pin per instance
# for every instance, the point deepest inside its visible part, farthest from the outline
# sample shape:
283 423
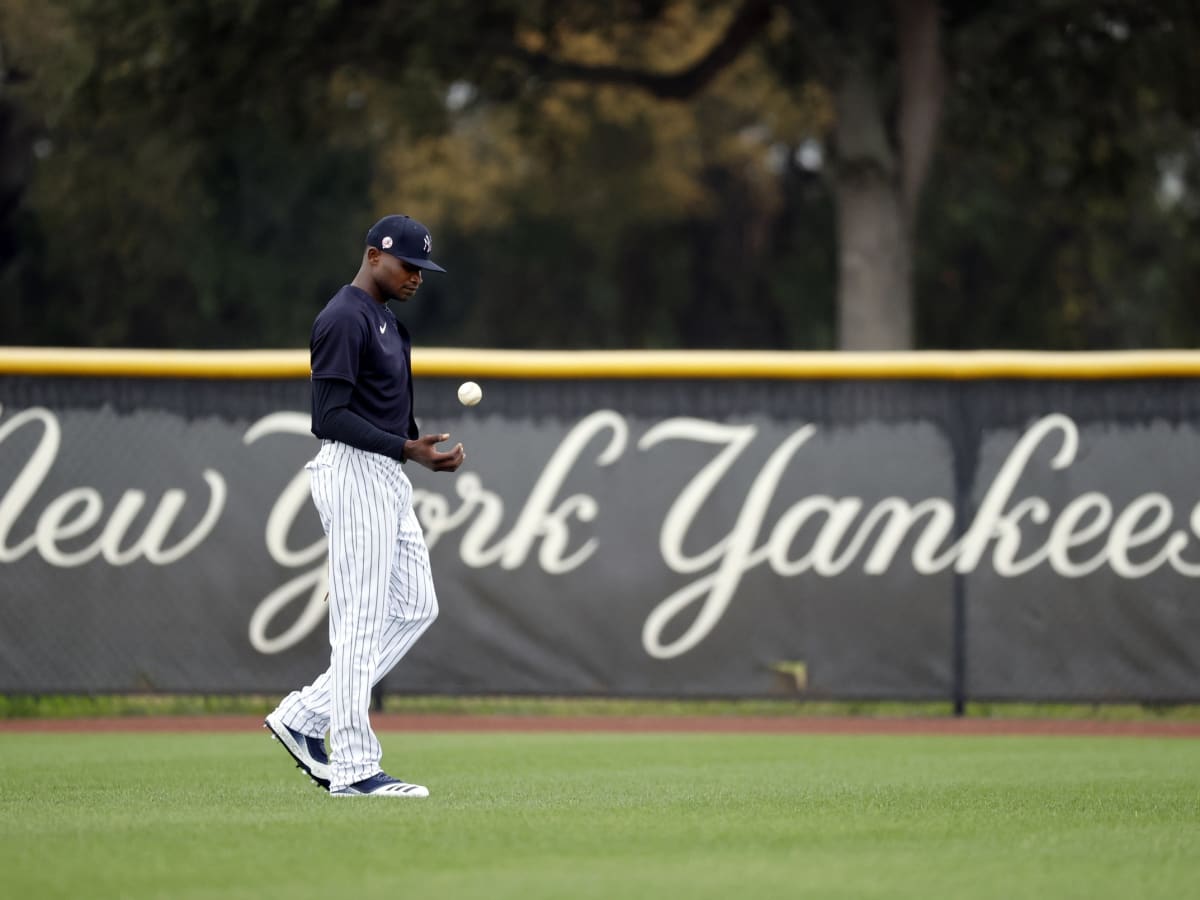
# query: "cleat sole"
319 782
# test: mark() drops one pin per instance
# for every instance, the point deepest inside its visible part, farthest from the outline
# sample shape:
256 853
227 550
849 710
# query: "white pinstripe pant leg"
363 508
412 600
381 600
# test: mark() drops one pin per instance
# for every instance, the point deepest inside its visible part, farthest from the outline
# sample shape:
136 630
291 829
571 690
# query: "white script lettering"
543 520
1146 524
80 510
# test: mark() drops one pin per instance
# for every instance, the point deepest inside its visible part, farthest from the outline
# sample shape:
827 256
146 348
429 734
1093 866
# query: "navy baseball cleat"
308 752
381 785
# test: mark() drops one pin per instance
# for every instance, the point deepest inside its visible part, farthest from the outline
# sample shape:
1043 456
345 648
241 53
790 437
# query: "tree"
607 175
187 187
878 169
884 66
1068 182
657 223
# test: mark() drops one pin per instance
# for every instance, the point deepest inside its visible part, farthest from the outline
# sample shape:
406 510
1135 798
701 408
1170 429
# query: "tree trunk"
921 90
875 309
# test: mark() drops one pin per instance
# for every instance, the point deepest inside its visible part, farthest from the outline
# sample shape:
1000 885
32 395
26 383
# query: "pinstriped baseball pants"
381 600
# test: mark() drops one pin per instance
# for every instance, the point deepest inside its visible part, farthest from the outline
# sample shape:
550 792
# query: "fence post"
965 441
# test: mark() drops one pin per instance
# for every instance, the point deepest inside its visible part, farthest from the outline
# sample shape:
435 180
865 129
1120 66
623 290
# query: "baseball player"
381 595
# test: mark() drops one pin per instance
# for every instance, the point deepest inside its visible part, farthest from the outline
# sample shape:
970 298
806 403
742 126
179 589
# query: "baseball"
469 393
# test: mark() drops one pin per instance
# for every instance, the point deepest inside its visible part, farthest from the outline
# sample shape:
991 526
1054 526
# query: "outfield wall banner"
1023 539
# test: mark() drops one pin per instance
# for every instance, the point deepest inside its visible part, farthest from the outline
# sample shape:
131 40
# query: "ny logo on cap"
428 243
386 243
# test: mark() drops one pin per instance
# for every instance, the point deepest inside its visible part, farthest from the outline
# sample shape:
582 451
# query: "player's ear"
371 255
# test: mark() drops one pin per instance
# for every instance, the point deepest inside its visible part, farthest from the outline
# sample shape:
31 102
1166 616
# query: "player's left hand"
424 451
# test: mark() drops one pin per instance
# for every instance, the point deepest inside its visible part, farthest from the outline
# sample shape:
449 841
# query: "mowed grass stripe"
605 815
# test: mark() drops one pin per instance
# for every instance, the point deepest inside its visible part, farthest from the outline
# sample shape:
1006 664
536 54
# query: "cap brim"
427 264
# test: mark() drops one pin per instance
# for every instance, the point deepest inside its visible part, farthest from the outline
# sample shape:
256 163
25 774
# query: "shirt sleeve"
333 420
336 346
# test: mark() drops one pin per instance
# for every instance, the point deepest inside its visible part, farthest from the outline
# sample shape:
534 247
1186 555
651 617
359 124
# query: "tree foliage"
1067 206
202 173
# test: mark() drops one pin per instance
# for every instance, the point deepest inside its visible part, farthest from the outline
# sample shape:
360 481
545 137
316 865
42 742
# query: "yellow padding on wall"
462 362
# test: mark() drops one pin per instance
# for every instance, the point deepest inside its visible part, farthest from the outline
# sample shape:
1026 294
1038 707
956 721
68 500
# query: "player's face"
398 280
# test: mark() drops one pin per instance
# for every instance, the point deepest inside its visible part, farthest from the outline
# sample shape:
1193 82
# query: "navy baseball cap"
404 238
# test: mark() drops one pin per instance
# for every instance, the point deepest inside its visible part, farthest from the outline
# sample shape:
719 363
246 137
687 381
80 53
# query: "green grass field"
605 816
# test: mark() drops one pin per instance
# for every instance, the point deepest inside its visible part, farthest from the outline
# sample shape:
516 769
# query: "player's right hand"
424 451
